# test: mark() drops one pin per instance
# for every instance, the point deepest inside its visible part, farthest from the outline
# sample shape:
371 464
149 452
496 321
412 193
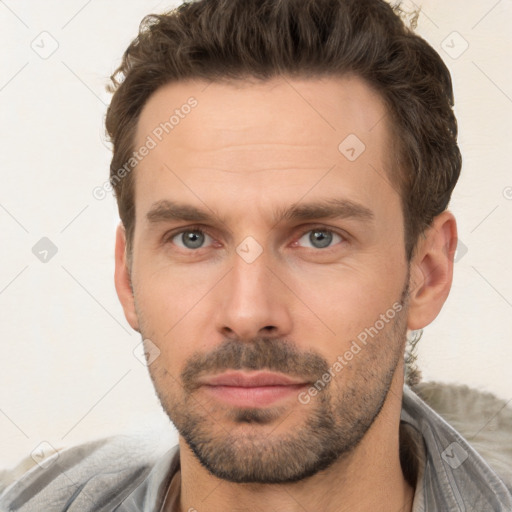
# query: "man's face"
261 278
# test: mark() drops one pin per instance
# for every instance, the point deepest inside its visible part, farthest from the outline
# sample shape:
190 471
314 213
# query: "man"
282 170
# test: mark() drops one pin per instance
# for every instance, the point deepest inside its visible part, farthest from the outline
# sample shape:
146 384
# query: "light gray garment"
119 474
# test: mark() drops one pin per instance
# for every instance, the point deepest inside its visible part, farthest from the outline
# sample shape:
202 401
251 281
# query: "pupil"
320 238
193 239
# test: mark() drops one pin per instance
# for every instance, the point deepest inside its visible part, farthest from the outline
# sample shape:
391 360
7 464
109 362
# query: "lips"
244 380
260 389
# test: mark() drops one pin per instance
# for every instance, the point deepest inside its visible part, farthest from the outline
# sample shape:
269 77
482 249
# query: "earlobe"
432 271
123 280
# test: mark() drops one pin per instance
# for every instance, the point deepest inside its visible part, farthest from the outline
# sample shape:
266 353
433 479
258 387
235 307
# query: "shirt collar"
453 476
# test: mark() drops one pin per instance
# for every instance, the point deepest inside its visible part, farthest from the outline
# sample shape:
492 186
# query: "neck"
369 478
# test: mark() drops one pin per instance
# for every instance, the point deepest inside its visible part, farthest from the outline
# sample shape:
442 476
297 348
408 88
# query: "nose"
253 301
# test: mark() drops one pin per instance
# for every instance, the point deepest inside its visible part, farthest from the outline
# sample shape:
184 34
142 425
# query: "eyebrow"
166 210
335 208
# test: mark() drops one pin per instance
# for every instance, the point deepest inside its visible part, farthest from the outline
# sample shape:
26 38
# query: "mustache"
262 353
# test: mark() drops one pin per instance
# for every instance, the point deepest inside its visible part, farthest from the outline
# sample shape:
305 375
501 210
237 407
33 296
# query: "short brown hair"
216 40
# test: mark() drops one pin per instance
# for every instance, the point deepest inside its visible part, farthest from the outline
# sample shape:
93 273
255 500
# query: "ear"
122 279
432 271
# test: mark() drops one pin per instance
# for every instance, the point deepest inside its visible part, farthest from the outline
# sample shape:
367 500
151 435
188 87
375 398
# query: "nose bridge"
253 302
250 277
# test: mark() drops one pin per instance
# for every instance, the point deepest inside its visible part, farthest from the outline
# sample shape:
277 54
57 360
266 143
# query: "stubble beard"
245 445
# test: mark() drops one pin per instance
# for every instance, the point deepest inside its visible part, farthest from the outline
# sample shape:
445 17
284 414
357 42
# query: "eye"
190 239
320 238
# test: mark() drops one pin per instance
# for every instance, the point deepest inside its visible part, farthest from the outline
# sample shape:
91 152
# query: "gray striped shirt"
124 475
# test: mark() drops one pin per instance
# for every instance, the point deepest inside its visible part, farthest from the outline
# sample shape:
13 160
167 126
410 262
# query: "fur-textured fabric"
484 420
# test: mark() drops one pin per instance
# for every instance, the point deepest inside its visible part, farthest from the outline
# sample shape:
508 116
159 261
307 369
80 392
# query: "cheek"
169 308
347 300
167 293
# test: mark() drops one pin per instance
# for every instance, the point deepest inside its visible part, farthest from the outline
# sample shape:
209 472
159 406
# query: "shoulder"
89 475
483 419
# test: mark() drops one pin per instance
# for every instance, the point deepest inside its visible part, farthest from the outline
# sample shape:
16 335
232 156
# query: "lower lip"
254 396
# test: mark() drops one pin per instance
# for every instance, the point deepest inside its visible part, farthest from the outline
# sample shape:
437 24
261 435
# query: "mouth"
260 389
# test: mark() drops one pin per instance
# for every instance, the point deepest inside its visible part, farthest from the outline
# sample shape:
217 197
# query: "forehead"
260 139
305 110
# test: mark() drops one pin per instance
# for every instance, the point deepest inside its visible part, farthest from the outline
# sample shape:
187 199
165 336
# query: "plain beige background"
68 372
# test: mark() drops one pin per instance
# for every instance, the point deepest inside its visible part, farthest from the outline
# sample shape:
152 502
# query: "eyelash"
199 229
